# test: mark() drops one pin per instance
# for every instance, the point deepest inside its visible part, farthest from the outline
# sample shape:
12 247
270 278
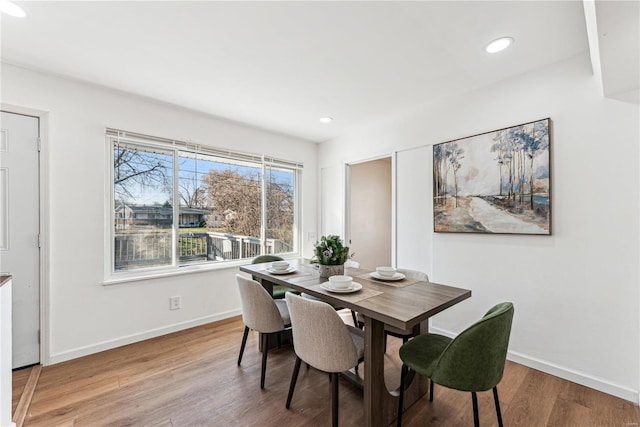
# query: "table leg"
380 406
374 386
267 285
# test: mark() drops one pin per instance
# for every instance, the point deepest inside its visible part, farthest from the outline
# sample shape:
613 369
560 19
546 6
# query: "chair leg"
430 390
294 378
476 418
334 398
385 342
495 397
265 350
279 340
355 319
403 374
244 342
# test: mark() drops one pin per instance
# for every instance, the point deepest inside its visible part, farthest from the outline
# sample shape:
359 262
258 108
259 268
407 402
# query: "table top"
402 304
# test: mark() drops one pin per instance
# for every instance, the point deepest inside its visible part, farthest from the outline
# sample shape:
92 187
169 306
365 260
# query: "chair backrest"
475 359
351 264
264 258
259 311
414 274
320 337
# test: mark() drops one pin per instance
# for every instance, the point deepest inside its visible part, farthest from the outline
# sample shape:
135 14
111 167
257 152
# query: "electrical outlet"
175 303
311 236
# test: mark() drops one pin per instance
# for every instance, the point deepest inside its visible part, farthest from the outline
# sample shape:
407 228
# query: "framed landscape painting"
496 182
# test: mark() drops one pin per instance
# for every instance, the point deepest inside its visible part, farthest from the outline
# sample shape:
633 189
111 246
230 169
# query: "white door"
19 230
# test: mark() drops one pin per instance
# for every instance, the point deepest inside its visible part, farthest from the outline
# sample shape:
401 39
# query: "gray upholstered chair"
473 361
405 334
261 313
351 264
324 341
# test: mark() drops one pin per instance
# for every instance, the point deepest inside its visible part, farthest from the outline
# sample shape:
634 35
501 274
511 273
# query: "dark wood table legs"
381 406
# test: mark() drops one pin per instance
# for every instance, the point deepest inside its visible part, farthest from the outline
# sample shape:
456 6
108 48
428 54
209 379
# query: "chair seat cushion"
284 311
421 352
279 291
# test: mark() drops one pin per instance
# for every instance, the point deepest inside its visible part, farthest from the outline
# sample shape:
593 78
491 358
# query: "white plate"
353 288
396 276
287 271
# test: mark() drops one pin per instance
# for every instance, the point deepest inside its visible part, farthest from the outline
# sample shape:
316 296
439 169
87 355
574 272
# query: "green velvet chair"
473 361
278 290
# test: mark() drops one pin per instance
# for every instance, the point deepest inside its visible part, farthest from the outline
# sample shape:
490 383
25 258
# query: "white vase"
331 270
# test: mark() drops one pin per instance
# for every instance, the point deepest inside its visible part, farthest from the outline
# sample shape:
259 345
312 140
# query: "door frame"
44 226
347 196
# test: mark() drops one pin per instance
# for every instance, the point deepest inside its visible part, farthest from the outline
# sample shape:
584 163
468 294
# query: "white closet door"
19 230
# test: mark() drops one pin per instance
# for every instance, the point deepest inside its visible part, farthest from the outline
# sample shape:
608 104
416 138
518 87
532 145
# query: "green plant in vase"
331 254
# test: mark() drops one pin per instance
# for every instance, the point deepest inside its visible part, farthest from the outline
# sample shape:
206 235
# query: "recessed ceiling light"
12 9
499 44
326 119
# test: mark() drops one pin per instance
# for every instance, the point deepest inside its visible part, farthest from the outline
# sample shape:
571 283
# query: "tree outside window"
219 216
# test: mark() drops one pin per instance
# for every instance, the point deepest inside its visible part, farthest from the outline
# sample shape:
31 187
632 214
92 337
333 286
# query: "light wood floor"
190 378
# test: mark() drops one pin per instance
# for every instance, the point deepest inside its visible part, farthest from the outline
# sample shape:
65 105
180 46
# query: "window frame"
261 161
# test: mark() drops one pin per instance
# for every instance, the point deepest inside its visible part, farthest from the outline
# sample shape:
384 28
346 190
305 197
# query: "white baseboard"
130 339
563 372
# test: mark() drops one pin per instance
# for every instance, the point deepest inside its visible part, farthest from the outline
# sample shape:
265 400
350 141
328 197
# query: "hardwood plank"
20 412
190 378
535 399
19 380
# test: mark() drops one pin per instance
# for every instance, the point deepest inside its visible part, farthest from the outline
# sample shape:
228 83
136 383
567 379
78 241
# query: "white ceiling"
283 65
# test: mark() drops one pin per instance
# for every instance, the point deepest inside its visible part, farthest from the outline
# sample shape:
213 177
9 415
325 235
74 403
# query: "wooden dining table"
405 304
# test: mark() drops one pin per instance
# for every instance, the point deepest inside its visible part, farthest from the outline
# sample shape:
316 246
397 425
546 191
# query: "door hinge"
39 240
38 336
39 144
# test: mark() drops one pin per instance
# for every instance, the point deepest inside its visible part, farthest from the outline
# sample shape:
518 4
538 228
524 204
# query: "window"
176 204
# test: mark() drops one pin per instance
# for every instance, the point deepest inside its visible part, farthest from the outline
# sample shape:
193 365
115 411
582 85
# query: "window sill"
120 278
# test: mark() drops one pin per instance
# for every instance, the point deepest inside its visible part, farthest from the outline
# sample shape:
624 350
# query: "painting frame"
496 182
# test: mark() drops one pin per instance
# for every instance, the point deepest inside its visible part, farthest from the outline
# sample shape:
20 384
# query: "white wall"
576 293
86 316
369 231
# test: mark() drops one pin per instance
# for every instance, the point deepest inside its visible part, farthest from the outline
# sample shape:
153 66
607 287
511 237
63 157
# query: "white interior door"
19 230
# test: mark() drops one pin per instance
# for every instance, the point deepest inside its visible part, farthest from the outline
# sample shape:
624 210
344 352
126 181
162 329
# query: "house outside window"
175 204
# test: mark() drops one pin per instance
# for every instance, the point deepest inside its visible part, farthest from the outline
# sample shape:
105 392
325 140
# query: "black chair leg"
430 390
244 342
495 397
403 374
294 378
334 398
279 340
265 350
476 418
355 319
